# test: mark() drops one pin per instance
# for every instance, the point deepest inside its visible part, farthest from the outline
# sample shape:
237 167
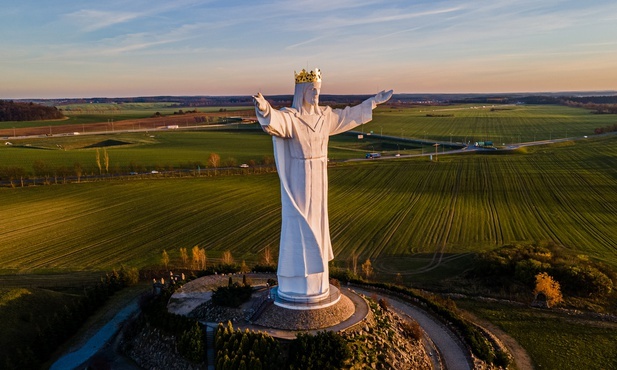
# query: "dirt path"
521 357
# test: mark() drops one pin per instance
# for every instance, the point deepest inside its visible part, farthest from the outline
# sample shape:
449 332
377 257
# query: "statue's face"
311 96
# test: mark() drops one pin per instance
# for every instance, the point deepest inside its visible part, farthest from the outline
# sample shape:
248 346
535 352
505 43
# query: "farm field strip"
164 150
369 206
517 123
376 210
127 236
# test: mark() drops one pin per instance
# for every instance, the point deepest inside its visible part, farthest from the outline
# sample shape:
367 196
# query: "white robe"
301 155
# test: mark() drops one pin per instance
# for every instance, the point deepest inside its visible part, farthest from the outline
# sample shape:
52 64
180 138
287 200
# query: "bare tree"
198 258
214 161
42 169
398 279
267 256
98 160
14 173
354 262
106 159
165 259
184 256
78 170
367 268
195 258
202 259
227 258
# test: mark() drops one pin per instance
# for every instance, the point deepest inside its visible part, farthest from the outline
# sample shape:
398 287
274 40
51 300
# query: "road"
451 350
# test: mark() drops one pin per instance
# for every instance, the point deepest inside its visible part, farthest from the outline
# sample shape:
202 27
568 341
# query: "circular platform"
342 309
300 302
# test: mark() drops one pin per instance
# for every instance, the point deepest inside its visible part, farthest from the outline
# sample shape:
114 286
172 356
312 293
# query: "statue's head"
306 94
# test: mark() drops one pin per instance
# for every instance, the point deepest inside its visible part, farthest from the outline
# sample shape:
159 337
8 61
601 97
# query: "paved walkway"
183 303
452 351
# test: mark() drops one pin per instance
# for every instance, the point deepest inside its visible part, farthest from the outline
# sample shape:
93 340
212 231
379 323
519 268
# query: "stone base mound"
288 319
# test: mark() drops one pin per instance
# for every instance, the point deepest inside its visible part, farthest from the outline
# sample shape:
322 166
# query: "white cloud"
92 20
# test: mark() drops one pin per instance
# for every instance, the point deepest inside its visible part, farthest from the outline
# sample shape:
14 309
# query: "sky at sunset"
70 48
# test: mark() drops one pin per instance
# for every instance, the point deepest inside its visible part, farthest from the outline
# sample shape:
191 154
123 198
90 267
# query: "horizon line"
565 92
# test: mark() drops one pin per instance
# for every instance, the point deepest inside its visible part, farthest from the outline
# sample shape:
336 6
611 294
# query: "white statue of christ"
300 135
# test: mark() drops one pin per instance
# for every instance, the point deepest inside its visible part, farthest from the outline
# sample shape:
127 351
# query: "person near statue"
300 137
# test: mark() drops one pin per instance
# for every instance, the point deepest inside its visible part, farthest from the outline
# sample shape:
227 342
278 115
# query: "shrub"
502 359
191 344
232 295
411 329
527 269
583 280
343 275
254 351
578 275
383 304
128 276
325 350
265 268
549 287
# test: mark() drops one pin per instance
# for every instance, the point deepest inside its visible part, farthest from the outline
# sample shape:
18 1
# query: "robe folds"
301 155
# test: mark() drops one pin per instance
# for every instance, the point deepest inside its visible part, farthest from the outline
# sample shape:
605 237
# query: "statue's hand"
383 96
260 102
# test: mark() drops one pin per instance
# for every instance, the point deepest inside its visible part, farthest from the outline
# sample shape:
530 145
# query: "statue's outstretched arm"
383 96
260 102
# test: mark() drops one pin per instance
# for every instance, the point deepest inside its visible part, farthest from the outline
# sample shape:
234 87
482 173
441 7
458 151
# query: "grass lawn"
25 311
553 339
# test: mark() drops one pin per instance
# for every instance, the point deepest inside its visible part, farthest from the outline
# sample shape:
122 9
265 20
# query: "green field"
161 150
466 203
169 149
553 339
504 125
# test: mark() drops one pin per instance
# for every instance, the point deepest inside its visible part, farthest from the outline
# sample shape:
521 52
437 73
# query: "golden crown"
304 76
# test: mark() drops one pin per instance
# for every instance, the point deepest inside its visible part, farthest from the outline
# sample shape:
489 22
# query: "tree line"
45 173
12 111
597 108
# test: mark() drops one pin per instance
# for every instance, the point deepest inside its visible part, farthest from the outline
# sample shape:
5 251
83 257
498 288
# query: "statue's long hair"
299 92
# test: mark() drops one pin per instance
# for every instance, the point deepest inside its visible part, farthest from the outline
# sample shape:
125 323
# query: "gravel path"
95 343
454 355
